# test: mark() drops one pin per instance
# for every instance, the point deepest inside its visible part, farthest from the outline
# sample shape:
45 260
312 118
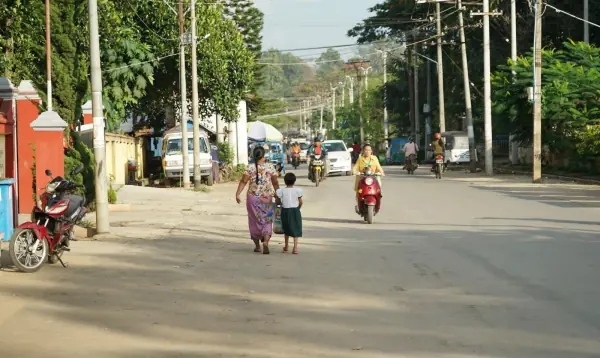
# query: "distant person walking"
262 183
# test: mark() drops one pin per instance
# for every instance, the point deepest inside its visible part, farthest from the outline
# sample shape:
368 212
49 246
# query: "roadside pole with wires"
537 94
195 116
185 171
440 66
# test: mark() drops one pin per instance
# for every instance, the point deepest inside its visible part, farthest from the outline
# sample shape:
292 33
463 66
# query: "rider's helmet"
437 136
318 139
411 139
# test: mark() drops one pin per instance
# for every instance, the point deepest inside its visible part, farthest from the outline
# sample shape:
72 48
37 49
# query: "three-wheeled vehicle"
275 154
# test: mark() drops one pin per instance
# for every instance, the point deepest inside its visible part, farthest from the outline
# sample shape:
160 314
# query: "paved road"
462 267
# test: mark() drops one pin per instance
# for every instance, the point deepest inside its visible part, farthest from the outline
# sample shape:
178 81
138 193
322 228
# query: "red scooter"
50 230
369 195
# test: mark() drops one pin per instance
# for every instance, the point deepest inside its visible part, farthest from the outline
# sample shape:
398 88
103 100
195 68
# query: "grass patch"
87 224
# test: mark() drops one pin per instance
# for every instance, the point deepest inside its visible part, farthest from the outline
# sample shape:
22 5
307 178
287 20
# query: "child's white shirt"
289 197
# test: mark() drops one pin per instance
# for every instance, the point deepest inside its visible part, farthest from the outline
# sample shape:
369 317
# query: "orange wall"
27 112
49 155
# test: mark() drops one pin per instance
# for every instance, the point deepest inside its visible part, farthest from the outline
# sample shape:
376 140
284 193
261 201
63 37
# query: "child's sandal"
295 252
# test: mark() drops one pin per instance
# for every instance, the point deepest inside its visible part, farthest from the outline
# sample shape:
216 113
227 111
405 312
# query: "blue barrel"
6 209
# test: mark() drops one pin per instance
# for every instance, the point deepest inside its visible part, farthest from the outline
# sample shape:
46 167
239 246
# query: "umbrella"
263 132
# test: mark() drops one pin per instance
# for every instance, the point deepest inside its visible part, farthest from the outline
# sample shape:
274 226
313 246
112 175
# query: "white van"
172 159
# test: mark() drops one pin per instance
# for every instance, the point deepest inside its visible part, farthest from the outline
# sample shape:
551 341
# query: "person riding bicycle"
317 149
439 148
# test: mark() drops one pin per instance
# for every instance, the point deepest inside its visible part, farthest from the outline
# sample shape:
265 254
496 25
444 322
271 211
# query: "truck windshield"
174 146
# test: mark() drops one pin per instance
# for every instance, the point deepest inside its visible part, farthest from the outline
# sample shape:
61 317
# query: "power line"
571 15
141 63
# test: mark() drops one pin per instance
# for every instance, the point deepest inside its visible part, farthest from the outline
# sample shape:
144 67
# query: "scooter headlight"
369 181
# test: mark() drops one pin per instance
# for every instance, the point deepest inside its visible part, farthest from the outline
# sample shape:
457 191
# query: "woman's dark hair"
366 145
257 154
289 179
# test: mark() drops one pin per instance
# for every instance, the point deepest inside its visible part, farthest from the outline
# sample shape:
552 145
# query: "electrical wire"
571 15
140 63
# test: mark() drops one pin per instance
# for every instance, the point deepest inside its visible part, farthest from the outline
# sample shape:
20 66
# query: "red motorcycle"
369 193
50 230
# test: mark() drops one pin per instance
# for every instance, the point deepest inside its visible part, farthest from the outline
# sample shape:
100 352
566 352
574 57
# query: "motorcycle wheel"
317 176
26 237
439 171
370 214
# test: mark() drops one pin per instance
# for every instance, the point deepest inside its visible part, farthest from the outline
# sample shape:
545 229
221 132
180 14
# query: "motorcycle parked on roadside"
369 195
317 166
46 237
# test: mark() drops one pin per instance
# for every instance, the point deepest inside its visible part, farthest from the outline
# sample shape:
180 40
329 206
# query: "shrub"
226 153
112 195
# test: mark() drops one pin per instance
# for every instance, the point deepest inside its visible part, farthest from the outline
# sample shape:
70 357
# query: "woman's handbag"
277 224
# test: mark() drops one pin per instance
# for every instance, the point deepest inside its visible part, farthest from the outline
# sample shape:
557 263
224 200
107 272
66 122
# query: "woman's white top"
289 197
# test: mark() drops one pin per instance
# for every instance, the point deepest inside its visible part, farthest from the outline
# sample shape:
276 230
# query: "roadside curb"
549 176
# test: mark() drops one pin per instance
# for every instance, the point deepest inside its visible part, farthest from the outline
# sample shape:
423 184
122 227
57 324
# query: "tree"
329 65
570 92
250 22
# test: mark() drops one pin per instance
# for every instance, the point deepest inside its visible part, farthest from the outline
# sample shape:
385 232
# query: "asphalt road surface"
459 267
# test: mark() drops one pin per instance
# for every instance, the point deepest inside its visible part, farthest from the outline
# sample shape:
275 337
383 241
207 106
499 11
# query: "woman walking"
262 180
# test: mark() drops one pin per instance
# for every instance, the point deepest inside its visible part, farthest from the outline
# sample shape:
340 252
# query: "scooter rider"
439 148
317 149
366 160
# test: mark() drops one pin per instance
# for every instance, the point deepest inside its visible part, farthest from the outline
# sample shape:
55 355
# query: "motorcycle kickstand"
65 265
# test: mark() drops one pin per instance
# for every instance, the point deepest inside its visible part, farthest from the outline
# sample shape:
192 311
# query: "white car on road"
339 157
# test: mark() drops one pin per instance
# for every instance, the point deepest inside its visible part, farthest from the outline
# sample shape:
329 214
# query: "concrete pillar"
48 131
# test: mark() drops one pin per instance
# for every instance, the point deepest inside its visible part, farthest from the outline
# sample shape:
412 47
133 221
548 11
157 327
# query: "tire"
348 173
370 214
317 178
13 256
439 171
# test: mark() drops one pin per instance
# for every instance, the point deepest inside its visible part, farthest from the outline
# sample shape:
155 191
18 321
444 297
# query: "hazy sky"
310 23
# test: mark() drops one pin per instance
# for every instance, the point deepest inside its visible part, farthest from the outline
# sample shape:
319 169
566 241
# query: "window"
334 147
174 146
303 146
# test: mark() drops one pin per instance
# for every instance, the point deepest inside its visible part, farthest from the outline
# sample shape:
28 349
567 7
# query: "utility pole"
185 172
385 108
101 185
351 93
440 66
48 57
429 106
343 84
333 89
411 87
467 89
487 93
416 94
321 120
537 95
586 25
195 119
514 147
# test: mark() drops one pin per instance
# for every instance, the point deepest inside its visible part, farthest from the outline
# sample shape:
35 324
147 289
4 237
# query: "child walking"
291 218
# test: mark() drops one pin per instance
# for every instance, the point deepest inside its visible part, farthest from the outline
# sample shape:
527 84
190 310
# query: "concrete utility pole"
586 25
467 89
416 95
351 93
101 182
48 57
440 66
429 106
514 147
185 172
195 119
321 120
537 95
487 93
343 100
333 89
385 108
